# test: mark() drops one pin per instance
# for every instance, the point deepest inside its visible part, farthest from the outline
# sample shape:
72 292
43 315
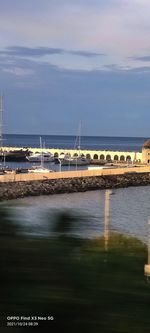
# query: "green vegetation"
76 281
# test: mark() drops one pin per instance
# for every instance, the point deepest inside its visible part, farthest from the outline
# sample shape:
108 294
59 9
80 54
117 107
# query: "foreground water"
129 211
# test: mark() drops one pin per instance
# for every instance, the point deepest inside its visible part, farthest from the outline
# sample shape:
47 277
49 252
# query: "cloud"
142 58
18 71
83 28
28 52
86 54
75 34
139 70
73 59
43 51
35 5
114 98
15 58
69 59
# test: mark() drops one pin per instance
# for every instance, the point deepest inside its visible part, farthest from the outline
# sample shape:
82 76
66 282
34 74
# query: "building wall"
146 155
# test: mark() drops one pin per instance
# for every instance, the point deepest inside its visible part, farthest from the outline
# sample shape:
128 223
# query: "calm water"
87 142
129 211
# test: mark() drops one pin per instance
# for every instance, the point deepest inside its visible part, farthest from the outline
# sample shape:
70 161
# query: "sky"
66 61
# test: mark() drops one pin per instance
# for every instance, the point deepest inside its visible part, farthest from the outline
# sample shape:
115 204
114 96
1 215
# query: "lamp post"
69 164
106 217
59 164
76 163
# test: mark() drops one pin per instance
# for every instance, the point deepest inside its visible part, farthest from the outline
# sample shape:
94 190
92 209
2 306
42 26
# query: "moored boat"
14 155
37 157
39 169
21 170
77 161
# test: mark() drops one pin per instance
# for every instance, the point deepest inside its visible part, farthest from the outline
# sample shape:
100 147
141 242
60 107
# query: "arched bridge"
102 155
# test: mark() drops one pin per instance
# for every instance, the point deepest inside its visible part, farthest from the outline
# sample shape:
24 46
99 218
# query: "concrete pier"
13 177
57 183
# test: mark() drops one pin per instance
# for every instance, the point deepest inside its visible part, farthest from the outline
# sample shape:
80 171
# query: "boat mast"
79 136
41 152
1 121
77 144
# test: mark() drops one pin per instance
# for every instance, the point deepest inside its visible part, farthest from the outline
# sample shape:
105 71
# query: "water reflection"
106 217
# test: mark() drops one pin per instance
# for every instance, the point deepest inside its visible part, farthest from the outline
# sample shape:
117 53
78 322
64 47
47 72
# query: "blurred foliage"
79 283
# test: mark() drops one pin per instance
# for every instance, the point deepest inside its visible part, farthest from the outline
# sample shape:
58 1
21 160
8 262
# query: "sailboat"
36 157
40 168
3 167
44 156
76 160
2 155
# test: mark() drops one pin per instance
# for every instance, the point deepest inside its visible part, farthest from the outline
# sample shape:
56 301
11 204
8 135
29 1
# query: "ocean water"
87 142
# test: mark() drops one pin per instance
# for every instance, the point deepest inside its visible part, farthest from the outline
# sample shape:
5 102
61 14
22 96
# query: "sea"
129 207
68 142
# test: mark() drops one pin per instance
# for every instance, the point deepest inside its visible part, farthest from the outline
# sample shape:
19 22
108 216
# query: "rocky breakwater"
14 190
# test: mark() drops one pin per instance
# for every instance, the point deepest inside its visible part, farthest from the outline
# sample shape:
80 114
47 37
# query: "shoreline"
21 189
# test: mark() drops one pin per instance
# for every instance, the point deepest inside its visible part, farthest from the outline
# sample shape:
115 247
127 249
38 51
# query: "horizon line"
95 136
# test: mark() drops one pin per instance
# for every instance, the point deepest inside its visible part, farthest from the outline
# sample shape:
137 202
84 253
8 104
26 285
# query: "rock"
48 187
